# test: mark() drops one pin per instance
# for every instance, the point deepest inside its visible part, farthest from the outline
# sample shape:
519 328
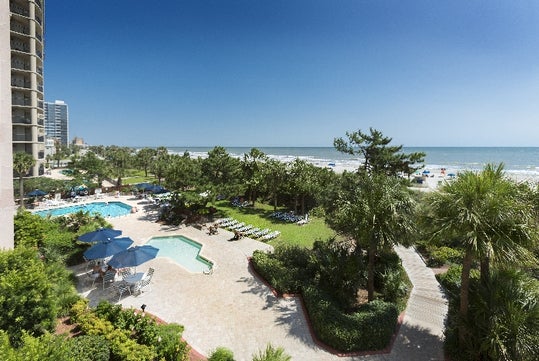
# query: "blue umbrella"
36 193
157 189
100 235
143 186
133 256
426 171
108 248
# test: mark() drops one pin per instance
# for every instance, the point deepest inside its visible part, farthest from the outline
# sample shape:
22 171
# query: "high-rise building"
6 143
56 121
27 49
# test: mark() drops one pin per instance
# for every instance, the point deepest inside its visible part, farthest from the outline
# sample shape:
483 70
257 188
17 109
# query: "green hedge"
368 329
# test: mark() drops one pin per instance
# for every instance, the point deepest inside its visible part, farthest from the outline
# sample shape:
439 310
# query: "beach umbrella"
426 171
133 256
156 189
100 235
143 186
36 193
108 248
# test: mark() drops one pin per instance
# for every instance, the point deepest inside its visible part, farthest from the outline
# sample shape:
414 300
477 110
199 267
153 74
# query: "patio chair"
145 282
125 272
121 287
108 277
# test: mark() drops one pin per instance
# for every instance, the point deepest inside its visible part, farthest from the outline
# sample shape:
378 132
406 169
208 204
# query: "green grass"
137 179
291 233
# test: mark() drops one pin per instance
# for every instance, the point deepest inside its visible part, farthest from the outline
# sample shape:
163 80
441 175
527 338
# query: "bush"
275 272
370 328
439 256
27 300
90 348
272 354
221 354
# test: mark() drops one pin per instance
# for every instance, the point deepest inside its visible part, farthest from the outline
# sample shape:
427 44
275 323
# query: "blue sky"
295 73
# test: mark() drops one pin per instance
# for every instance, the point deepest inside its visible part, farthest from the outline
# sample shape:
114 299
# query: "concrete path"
234 309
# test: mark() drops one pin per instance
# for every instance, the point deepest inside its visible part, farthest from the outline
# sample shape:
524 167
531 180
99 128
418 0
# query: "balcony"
39 54
21 84
40 122
24 102
40 88
19 28
21 120
38 19
41 155
22 137
40 139
38 3
38 36
19 10
19 46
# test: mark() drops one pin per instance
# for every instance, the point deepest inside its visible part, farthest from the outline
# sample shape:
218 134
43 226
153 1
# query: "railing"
39 54
20 66
22 138
41 139
40 122
19 10
20 47
38 36
26 102
20 84
40 88
40 70
21 120
38 2
38 19
19 28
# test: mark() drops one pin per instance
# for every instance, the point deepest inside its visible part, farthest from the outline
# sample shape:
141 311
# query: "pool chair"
251 231
121 287
237 225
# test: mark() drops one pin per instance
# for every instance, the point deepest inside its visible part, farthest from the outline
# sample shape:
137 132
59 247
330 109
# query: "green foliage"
369 328
328 277
275 272
221 354
440 256
503 319
27 299
47 347
90 348
272 353
30 229
170 345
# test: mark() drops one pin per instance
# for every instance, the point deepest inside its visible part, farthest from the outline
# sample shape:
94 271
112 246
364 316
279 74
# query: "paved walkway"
232 308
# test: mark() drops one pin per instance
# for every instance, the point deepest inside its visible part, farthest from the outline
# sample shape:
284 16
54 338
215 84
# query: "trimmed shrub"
275 272
369 328
90 348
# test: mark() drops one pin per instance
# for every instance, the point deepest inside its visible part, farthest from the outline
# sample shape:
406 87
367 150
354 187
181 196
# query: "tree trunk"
370 270
485 270
21 192
303 204
275 202
464 291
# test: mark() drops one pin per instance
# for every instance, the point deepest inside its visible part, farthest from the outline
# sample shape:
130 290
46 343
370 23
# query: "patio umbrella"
36 193
100 235
426 171
143 186
108 248
133 256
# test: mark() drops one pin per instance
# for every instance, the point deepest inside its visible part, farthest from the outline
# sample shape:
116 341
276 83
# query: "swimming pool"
183 251
105 209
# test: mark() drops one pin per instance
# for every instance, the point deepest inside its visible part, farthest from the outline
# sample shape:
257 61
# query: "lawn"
291 233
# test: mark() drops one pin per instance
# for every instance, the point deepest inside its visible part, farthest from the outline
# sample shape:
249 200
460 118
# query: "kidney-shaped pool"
183 251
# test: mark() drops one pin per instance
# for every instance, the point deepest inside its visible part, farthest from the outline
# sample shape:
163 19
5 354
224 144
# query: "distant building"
57 121
26 24
79 142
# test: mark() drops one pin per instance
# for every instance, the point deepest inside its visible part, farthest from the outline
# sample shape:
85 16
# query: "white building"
56 121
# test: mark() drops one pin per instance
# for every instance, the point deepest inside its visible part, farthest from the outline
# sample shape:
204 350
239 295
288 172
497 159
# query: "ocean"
520 162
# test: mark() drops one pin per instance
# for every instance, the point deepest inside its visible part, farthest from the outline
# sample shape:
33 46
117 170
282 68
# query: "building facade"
6 144
27 51
56 121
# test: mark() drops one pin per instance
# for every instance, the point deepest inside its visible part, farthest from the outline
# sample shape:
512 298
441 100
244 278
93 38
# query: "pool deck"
233 308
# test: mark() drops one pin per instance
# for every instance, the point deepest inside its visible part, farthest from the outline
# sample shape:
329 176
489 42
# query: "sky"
295 72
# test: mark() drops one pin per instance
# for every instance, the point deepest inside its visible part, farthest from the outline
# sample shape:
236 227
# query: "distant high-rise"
27 49
57 121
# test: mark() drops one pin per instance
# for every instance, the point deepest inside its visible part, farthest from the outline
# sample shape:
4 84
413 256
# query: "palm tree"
491 220
22 162
375 210
504 317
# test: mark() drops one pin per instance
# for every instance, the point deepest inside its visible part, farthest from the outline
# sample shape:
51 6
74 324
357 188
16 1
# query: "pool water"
105 209
183 251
